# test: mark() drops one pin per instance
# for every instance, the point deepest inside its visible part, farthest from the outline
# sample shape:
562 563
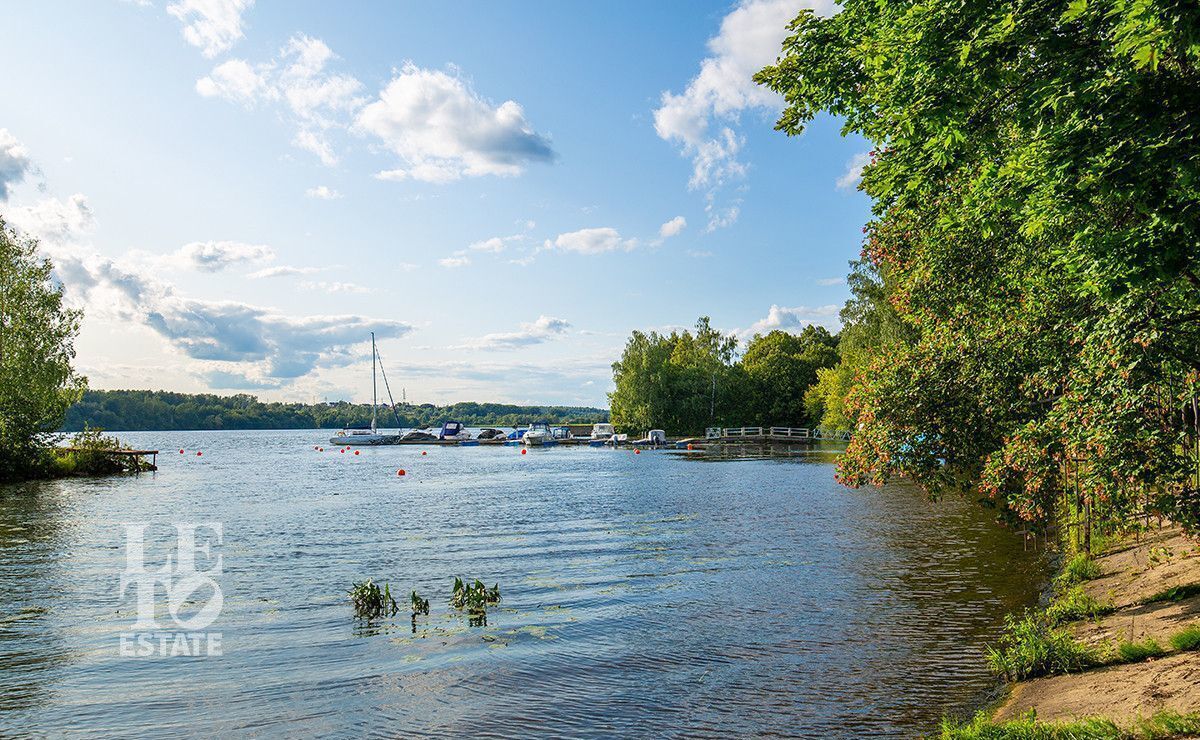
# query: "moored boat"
539 434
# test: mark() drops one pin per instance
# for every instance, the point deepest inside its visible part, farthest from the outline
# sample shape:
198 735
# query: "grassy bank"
1114 654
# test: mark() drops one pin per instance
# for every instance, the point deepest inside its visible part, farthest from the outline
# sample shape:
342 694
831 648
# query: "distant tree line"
686 381
132 410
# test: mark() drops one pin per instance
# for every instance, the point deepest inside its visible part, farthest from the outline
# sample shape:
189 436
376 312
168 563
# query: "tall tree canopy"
681 382
781 367
1036 186
37 335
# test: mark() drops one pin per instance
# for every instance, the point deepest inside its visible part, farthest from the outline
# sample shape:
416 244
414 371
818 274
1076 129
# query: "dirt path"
1130 575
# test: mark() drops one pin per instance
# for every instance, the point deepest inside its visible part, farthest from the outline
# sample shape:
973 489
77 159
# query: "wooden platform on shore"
136 454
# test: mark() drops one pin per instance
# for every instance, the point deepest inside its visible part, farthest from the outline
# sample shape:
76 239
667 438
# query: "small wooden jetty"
136 455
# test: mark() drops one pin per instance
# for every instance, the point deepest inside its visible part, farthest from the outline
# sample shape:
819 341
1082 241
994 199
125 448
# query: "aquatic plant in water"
419 605
371 602
473 597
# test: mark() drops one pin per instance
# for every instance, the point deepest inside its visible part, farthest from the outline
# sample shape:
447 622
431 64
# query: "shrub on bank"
1030 647
1187 639
89 455
1075 604
1082 567
1135 652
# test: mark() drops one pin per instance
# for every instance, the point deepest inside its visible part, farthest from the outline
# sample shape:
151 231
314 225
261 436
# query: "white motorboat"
539 434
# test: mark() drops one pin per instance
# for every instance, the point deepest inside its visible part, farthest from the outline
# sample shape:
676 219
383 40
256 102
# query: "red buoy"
523 451
198 454
181 452
637 452
356 452
400 472
343 450
424 453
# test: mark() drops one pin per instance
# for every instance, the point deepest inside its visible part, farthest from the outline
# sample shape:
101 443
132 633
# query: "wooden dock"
136 454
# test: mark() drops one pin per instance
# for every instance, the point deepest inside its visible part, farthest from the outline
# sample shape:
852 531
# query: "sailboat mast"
374 401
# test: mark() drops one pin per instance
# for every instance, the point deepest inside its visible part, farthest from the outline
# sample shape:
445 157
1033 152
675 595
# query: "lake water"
652 594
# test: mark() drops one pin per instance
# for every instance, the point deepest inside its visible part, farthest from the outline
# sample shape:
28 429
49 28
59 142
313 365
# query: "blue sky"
238 192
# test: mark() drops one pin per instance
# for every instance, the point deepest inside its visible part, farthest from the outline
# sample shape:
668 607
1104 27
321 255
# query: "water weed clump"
1032 647
473 597
371 602
1163 725
1075 604
1186 639
419 605
1135 652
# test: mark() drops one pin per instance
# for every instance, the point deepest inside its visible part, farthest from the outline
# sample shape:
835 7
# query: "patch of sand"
1130 573
1119 693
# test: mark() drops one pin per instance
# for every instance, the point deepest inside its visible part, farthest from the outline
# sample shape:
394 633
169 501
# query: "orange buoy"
523 451
637 452
689 446
400 472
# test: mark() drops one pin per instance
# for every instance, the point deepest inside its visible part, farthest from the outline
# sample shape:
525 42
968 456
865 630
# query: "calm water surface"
655 594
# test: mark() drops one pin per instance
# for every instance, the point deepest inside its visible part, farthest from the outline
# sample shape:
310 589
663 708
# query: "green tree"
781 367
681 382
37 334
1035 179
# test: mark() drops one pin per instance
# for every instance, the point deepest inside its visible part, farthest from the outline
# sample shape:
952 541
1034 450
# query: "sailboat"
369 435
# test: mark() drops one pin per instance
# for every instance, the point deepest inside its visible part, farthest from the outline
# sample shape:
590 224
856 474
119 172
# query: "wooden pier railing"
754 434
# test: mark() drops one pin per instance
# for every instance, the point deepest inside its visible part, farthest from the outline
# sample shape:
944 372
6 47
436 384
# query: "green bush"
1078 569
1175 593
1074 604
1135 652
1187 639
1031 647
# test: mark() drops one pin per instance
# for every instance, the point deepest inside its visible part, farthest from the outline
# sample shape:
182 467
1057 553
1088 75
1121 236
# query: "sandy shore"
1131 573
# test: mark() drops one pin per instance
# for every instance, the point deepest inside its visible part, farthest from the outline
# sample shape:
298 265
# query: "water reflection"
661 593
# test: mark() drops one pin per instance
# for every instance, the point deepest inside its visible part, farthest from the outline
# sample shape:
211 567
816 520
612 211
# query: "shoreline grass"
1160 726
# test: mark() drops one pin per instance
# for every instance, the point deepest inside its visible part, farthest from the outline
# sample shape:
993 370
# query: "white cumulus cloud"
458 259
543 329
854 169
672 227
794 319
14 163
703 119
213 26
323 192
214 256
592 241
442 130
238 81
